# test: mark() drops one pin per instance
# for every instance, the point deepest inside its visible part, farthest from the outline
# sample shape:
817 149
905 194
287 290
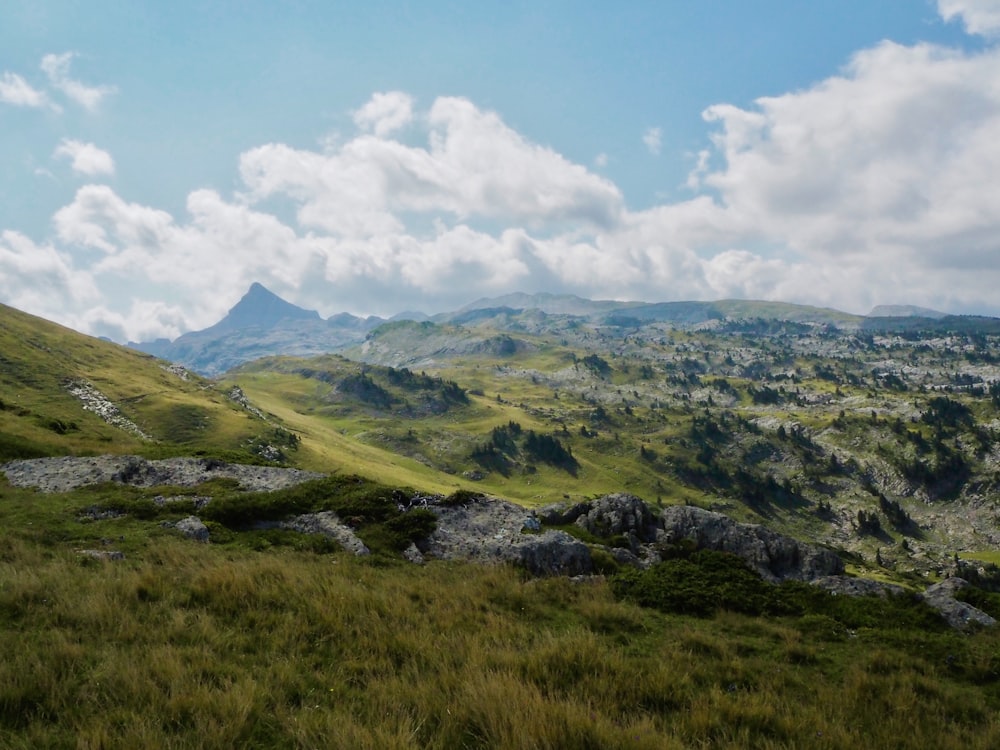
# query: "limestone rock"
413 555
619 515
775 556
850 586
102 554
489 530
193 528
959 614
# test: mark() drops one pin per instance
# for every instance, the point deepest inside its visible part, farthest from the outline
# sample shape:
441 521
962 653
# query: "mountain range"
263 324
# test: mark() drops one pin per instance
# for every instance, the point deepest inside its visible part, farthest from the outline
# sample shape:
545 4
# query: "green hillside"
158 411
266 637
882 446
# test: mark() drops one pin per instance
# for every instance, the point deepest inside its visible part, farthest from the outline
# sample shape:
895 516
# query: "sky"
378 157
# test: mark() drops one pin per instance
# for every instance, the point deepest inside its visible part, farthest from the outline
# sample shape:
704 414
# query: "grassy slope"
215 646
40 417
350 437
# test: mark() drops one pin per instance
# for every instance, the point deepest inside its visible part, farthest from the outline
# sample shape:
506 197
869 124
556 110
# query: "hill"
66 393
259 325
832 434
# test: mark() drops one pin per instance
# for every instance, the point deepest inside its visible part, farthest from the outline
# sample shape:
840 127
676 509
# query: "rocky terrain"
480 529
67 473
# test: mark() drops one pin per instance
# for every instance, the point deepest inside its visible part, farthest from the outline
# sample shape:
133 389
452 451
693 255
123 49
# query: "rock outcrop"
774 556
493 531
959 614
66 473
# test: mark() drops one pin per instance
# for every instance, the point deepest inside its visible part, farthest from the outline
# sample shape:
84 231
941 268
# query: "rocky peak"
262 308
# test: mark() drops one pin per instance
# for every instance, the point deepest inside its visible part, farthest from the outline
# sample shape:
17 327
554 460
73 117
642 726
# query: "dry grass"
186 645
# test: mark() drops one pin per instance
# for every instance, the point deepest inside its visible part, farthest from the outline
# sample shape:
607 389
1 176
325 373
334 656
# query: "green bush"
704 582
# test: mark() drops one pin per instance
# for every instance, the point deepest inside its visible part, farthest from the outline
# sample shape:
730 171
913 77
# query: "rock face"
66 473
959 614
492 531
620 515
774 556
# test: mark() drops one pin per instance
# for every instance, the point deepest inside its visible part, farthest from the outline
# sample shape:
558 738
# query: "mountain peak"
260 307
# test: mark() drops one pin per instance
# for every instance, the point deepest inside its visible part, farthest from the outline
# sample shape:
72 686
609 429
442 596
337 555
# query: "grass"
188 645
39 417
260 641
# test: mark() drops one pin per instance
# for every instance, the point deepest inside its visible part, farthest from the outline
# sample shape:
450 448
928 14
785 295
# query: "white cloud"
978 16
895 157
653 138
18 92
877 182
601 160
474 166
385 113
85 158
43 280
56 67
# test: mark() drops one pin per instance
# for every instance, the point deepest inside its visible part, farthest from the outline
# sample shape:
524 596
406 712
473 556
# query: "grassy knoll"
221 645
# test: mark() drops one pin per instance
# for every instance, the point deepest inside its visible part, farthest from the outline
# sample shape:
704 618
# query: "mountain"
259 325
262 324
905 311
261 308
553 304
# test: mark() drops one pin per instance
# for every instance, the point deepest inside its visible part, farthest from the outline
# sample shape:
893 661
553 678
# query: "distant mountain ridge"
905 311
263 324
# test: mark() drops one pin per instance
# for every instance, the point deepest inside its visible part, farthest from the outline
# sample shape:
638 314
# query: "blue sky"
374 157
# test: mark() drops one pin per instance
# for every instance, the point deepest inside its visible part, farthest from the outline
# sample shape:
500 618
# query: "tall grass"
186 645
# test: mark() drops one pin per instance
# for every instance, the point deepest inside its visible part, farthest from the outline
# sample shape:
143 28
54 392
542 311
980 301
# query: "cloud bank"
872 186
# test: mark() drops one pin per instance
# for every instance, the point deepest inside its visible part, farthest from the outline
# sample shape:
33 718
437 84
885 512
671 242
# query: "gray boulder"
328 524
775 556
193 528
960 615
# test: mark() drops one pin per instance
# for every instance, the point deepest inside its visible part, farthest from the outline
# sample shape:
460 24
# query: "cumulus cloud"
43 280
874 185
385 113
85 158
18 92
978 16
653 138
896 157
56 67
474 166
